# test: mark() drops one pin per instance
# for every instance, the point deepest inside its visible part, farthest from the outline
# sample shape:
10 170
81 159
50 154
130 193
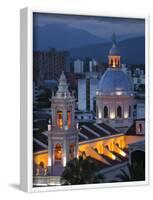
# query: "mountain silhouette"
83 44
62 37
132 51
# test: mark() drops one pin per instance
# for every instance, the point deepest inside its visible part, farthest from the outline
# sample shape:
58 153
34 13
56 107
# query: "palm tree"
81 171
136 172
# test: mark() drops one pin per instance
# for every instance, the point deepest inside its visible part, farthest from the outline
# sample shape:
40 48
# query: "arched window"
129 111
41 169
117 62
69 119
41 164
114 63
107 147
111 62
58 152
71 151
117 144
96 150
140 127
60 119
94 105
119 112
82 117
105 112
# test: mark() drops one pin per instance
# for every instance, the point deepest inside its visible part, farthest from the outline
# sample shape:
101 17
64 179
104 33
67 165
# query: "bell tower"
114 58
63 134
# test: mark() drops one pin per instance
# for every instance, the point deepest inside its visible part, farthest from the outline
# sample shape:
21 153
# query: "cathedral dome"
115 81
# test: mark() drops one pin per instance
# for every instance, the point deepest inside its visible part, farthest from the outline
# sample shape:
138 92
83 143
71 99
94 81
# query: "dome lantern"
114 54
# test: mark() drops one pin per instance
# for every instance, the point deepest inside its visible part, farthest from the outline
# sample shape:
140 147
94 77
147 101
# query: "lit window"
60 119
117 62
114 63
69 119
140 128
107 147
58 152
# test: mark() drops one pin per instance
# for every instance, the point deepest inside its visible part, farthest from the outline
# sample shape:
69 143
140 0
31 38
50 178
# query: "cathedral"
114 99
110 140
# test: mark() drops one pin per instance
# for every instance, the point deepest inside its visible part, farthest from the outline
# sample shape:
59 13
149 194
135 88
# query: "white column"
50 156
64 152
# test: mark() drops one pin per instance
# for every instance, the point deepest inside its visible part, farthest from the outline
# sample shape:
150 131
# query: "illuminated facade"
62 136
114 98
109 141
113 150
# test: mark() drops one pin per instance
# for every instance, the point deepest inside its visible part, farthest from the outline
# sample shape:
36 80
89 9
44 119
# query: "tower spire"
63 86
114 38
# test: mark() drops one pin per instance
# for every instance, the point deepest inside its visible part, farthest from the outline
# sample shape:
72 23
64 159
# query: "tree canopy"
81 171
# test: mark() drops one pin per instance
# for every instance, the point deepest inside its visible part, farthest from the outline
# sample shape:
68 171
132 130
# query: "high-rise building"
93 89
78 66
82 105
124 68
35 93
86 93
92 65
48 65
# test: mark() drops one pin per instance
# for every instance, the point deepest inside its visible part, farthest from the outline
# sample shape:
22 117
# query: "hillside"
132 51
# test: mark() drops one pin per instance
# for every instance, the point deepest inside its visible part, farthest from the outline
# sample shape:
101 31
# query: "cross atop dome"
114 38
114 50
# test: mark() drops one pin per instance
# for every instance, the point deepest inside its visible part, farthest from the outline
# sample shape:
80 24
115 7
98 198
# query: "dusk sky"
99 26
68 32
